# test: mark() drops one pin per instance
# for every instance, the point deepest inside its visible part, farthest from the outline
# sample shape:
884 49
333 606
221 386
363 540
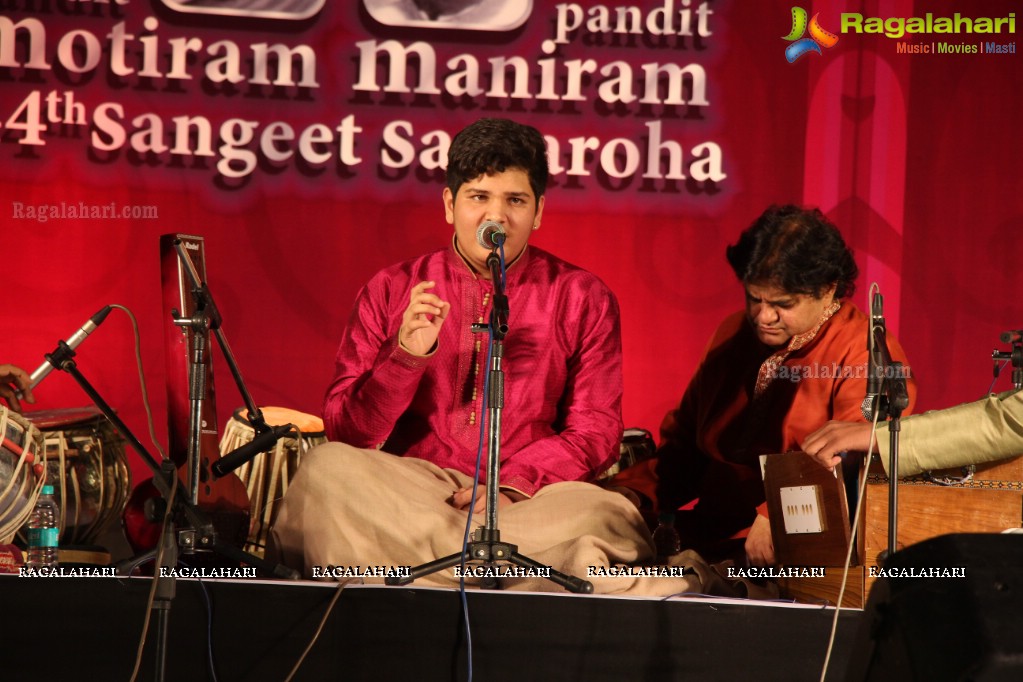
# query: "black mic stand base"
487 553
127 567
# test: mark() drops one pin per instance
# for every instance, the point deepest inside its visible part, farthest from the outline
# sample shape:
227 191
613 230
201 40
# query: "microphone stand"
207 318
198 531
486 546
201 532
890 403
1015 356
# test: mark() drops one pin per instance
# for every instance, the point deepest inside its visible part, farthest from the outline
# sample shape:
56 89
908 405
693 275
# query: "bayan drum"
268 475
85 463
21 475
637 445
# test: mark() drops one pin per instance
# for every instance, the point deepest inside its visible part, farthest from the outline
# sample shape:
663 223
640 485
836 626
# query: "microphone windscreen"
486 234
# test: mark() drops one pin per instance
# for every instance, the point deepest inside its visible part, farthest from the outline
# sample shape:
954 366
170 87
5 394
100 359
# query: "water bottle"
43 532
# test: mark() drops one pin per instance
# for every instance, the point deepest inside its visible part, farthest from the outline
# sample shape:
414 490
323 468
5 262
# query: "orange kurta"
711 444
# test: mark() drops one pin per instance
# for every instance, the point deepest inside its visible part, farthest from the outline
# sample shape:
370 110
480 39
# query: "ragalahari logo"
800 45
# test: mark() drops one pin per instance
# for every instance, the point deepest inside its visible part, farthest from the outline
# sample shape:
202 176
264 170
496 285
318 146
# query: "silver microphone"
490 234
875 334
73 342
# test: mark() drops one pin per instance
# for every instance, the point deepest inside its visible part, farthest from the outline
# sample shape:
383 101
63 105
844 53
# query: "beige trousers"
349 507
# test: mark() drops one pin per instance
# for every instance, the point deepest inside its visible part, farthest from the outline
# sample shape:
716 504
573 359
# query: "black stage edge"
932 627
88 628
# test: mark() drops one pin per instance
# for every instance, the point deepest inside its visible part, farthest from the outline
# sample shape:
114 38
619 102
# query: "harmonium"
811 510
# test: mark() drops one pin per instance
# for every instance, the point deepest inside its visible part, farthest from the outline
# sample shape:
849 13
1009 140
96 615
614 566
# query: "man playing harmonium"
793 359
983 431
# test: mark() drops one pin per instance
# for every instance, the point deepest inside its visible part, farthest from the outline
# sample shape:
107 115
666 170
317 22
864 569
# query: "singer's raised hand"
12 380
422 320
825 444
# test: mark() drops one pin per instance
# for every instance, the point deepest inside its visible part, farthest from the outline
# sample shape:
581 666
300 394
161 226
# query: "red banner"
306 142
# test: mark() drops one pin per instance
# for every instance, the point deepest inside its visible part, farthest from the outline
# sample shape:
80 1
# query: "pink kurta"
563 383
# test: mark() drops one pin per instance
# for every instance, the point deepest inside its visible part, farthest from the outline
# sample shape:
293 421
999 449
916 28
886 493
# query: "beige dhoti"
349 507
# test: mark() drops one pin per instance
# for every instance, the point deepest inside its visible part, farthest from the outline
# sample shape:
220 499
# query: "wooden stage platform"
89 628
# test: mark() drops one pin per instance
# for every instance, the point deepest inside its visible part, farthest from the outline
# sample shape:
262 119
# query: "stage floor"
89 628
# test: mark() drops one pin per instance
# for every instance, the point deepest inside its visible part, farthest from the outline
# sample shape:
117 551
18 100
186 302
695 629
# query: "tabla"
21 472
85 462
268 475
637 445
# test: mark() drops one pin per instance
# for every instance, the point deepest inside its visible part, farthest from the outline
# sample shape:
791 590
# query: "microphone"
261 443
874 379
73 342
490 234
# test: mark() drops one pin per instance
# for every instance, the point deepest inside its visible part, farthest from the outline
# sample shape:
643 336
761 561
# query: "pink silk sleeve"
591 425
375 379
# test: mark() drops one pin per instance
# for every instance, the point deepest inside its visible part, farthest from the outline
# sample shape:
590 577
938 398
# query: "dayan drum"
21 471
268 475
86 465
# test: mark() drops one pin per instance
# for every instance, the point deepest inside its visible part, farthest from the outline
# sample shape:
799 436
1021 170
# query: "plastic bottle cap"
47 490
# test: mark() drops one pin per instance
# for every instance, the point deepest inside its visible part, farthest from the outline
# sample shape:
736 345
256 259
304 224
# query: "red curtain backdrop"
914 156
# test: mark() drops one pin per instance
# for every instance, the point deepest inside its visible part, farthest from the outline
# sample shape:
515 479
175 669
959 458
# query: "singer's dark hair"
494 145
796 249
